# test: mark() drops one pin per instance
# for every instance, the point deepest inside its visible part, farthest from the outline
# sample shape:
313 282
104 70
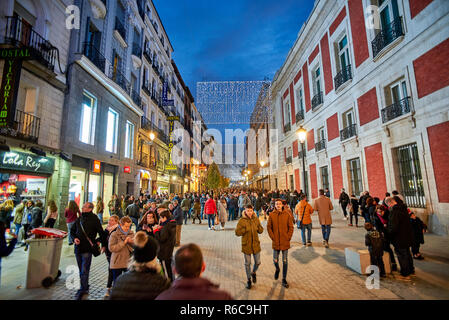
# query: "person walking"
165 234
110 228
258 204
190 285
178 216
353 211
36 215
71 213
185 207
222 213
143 281
280 231
210 209
303 212
401 235
343 201
52 214
203 200
18 217
26 221
84 234
324 206
196 211
244 201
133 212
120 245
249 228
99 209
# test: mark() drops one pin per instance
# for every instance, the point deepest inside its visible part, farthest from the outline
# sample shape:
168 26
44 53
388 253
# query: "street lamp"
262 165
152 136
302 135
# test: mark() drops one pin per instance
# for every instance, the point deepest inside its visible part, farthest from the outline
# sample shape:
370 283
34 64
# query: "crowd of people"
141 234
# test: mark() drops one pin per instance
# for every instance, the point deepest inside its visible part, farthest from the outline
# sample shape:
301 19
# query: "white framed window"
287 116
88 116
398 91
300 99
112 131
348 118
343 53
321 134
129 140
316 78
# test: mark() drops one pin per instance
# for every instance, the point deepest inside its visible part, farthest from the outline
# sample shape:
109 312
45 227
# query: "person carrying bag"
305 223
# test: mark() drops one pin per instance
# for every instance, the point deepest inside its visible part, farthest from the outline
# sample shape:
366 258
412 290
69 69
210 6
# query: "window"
355 175
287 115
388 11
112 130
398 91
410 176
300 103
343 53
324 177
316 81
348 118
292 185
88 115
321 134
129 140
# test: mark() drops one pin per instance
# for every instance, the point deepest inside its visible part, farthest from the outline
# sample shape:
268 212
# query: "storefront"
90 179
24 176
147 182
163 183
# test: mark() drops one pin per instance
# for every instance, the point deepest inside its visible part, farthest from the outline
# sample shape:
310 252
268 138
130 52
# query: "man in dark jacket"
133 211
178 216
166 236
88 224
343 200
401 235
190 285
36 215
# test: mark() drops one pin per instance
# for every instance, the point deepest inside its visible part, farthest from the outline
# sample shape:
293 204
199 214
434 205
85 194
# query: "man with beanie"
144 280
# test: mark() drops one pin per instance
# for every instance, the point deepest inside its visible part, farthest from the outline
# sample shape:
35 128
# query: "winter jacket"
375 243
355 205
133 211
222 212
399 227
304 212
166 237
418 228
178 215
36 217
232 204
210 207
280 229
324 206
142 285
258 204
196 210
194 289
185 204
19 214
249 229
244 201
108 236
343 199
121 252
92 227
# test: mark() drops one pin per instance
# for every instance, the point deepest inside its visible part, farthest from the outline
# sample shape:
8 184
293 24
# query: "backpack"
377 243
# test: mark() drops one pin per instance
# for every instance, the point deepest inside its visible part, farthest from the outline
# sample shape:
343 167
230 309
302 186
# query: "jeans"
248 264
110 275
284 261
69 226
186 215
231 214
405 261
307 227
18 226
240 212
326 229
210 218
202 211
83 260
116 273
356 216
343 206
100 216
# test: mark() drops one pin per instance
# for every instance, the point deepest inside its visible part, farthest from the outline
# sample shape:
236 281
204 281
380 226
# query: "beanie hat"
145 247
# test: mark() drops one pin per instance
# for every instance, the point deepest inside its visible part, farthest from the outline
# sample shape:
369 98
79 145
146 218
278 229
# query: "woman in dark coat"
418 235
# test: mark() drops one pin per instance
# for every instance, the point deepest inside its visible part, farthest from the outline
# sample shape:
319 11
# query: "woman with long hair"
110 228
222 212
71 213
6 209
148 222
99 209
52 214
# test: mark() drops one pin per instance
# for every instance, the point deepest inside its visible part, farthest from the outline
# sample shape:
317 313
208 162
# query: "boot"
276 273
284 283
248 285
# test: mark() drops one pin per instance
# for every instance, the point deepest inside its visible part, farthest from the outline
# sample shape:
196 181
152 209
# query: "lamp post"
262 165
302 134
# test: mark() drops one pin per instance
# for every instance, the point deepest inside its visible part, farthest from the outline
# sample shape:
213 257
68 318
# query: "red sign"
127 169
97 166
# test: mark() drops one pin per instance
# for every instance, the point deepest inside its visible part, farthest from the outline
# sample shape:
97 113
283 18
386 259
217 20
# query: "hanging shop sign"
127 169
97 166
165 101
171 125
20 161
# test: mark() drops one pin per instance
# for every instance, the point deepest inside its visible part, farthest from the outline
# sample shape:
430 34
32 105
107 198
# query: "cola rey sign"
10 83
19 161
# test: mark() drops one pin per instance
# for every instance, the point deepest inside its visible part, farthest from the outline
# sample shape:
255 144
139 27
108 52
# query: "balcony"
98 8
348 132
23 36
317 101
136 50
387 35
94 55
120 79
146 124
287 127
25 127
136 98
146 88
155 97
147 55
288 160
120 29
300 116
343 76
144 160
320 145
396 110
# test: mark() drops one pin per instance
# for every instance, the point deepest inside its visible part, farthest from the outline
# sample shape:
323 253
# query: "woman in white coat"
222 213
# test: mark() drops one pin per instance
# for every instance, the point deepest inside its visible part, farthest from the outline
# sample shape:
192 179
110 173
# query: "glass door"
108 188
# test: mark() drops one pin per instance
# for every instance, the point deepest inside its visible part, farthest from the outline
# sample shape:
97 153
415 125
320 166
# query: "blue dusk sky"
233 40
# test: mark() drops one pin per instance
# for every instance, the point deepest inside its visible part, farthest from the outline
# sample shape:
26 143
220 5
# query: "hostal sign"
20 161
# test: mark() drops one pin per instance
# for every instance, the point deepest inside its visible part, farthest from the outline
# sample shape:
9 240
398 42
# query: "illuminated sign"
171 125
20 161
127 169
97 166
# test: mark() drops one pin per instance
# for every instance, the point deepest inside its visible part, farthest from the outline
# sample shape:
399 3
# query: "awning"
144 174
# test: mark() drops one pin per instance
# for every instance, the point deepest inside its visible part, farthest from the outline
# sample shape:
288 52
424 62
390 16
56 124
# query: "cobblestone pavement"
314 273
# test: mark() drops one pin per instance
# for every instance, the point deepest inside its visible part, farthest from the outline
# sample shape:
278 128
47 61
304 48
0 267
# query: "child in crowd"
375 242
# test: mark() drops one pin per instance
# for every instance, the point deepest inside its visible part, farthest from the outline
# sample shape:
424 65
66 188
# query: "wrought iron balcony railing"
348 132
25 127
146 123
120 28
320 145
288 160
387 35
119 78
146 87
94 55
300 116
397 109
20 35
137 50
135 96
343 76
147 55
317 100
287 127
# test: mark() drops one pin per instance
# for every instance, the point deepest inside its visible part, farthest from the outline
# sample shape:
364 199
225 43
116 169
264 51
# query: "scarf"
125 233
382 219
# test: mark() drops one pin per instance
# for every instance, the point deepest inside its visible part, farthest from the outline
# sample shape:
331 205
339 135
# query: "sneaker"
402 278
304 244
284 283
209 228
107 294
276 274
253 276
345 218
248 285
309 243
326 244
350 225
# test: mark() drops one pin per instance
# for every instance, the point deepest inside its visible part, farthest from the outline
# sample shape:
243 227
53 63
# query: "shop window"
129 140
355 175
88 114
111 132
